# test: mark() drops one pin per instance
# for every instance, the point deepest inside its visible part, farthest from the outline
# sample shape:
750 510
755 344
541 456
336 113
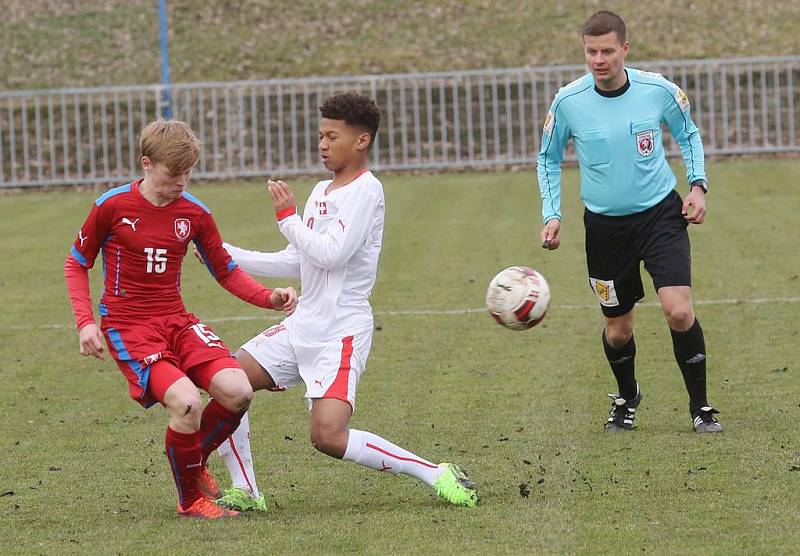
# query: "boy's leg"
272 350
330 434
210 366
331 373
182 442
236 451
184 451
222 378
157 378
238 458
230 394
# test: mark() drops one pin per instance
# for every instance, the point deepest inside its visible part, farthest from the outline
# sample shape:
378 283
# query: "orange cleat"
207 485
204 508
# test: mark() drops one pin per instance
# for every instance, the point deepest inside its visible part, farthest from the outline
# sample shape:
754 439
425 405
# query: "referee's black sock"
690 353
622 361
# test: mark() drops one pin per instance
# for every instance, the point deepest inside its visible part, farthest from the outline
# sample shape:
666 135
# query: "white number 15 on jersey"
156 260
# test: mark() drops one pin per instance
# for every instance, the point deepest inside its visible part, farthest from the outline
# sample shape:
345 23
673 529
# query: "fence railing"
456 119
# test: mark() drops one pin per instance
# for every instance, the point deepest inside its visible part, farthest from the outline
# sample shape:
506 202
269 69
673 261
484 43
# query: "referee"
613 115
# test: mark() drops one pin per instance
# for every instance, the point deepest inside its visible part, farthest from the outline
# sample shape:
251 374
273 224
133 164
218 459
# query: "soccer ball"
518 297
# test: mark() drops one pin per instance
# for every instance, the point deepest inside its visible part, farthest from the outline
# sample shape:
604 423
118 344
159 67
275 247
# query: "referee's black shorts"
615 245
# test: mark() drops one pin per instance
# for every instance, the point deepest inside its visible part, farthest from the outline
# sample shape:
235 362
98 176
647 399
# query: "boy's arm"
341 239
281 264
233 278
91 236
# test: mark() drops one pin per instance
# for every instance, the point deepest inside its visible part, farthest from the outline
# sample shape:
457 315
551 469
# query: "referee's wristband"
700 183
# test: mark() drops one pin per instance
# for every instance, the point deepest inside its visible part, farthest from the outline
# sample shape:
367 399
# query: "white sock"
239 458
370 450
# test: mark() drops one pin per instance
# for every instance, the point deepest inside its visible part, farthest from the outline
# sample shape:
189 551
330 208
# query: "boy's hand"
284 299
281 195
91 341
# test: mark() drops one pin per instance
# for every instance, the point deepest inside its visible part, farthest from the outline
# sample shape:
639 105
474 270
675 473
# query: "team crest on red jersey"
645 142
182 228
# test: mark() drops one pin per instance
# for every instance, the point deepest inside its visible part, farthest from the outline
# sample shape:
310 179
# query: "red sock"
185 460
216 425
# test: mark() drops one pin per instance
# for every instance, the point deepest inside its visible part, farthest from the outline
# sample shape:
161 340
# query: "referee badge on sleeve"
604 289
549 122
645 142
681 99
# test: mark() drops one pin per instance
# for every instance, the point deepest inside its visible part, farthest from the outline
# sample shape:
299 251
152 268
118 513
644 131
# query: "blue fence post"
166 100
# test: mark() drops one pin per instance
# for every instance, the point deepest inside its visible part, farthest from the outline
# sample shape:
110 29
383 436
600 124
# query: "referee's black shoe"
623 412
704 420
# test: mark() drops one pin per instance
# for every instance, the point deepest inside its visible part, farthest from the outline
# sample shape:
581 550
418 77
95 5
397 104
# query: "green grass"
522 411
61 43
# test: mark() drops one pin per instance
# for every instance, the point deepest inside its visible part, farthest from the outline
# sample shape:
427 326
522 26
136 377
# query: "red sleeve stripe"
286 213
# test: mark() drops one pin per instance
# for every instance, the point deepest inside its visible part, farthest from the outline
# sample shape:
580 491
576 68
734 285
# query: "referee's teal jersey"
619 145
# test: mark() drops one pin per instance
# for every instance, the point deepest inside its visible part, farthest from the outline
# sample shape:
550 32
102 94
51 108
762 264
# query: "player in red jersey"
143 230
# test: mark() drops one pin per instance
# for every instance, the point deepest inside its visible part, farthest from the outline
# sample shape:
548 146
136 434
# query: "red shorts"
179 343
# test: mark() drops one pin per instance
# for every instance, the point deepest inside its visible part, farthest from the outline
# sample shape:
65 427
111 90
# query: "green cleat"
239 499
455 487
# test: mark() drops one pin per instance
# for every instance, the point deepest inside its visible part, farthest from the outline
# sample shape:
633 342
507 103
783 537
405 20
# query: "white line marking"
435 312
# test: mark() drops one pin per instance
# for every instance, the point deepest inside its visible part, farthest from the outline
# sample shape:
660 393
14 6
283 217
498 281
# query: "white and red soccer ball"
518 297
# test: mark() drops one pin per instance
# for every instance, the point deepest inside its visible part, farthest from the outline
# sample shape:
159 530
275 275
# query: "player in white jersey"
334 250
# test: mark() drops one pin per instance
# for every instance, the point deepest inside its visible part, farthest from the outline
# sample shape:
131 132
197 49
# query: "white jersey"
334 250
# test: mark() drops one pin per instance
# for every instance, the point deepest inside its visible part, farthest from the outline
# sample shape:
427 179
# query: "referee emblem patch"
681 99
548 124
645 142
604 289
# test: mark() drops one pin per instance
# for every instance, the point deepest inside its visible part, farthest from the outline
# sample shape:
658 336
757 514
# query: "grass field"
63 43
83 469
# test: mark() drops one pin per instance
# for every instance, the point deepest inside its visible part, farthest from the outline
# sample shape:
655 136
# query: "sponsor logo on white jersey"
131 223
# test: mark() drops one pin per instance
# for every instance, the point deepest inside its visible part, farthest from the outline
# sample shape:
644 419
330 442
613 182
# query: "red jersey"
143 247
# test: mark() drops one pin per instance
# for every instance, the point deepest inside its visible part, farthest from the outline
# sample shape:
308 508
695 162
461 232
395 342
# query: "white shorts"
329 369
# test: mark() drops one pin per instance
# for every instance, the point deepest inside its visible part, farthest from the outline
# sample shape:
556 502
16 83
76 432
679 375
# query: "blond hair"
172 143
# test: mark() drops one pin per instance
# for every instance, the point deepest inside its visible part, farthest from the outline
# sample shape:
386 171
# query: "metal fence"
456 119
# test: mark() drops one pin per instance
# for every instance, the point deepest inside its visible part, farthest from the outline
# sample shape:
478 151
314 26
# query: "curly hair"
355 110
